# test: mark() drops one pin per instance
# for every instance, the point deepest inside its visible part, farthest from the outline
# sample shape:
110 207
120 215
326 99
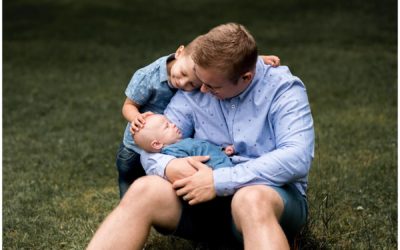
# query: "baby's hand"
139 122
274 61
229 150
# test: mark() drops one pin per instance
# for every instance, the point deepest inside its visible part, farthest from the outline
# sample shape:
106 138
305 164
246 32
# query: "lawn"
65 68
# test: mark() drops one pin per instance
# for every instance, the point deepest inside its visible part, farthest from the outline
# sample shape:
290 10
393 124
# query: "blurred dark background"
65 68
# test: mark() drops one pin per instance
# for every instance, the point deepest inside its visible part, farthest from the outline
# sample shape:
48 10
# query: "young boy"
149 91
159 135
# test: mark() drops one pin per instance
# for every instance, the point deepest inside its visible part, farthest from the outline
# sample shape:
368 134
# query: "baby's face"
165 131
182 74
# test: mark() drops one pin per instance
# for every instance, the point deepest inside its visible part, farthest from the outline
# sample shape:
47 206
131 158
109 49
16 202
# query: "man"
264 112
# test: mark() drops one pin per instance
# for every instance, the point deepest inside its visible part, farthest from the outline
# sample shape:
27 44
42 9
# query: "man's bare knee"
145 189
257 202
154 198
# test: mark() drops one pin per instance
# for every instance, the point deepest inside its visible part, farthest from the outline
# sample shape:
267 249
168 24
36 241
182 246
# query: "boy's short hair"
229 48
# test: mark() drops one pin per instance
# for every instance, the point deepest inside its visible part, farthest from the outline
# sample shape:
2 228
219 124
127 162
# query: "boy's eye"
184 74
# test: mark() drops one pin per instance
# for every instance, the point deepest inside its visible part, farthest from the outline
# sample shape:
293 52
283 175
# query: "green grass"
65 68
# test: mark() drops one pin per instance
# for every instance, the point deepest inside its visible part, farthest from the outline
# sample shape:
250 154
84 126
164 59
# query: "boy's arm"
274 61
130 111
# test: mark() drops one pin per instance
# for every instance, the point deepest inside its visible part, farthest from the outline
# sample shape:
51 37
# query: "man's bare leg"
256 211
149 201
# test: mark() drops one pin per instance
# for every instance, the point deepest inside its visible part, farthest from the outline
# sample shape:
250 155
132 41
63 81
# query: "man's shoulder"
279 76
273 82
279 73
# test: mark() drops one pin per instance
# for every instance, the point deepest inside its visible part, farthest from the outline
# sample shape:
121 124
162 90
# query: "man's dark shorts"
212 221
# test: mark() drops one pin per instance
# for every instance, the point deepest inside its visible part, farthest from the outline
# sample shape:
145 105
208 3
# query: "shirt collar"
163 68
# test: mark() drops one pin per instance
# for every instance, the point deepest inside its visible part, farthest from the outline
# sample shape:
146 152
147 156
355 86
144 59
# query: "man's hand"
180 168
199 187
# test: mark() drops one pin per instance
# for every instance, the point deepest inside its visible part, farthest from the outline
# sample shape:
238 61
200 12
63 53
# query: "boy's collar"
164 69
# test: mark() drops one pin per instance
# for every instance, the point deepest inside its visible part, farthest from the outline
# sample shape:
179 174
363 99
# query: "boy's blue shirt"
150 89
193 147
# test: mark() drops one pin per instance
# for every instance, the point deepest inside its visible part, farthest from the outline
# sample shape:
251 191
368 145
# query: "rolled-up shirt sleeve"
154 163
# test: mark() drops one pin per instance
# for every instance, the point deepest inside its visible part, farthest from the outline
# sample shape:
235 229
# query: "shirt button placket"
234 105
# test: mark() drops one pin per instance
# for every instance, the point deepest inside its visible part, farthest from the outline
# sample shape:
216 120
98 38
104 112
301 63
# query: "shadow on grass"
305 241
161 242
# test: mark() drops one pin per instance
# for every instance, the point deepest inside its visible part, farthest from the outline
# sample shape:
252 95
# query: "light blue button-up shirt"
269 124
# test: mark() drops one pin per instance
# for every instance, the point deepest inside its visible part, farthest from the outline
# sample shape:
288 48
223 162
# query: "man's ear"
179 51
247 77
157 145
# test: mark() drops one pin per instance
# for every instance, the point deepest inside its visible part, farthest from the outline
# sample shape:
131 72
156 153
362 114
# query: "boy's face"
182 75
162 129
219 85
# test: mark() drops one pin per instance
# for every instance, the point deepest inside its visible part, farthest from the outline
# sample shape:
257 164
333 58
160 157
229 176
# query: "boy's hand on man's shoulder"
272 60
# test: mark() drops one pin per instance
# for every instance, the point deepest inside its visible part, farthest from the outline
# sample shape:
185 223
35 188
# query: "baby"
159 135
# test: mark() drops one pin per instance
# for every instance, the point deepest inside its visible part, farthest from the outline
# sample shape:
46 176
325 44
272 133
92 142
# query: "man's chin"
217 96
220 98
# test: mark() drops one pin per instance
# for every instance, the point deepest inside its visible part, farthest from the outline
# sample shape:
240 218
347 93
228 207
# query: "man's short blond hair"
229 48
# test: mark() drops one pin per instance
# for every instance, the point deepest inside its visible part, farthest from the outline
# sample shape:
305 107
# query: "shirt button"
233 106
